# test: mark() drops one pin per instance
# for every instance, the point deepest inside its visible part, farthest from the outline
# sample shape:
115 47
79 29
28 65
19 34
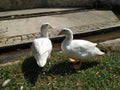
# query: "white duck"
42 47
77 49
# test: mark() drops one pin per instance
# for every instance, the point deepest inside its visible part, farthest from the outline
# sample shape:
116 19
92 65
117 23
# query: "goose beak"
60 33
52 27
53 30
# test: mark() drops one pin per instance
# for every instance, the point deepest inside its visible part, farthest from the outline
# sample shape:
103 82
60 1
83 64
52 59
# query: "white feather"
78 49
6 82
41 49
42 46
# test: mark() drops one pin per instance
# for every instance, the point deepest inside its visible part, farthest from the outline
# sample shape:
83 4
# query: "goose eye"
63 30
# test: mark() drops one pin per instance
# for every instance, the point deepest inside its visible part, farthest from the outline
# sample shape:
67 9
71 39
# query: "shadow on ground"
65 68
31 70
87 64
62 68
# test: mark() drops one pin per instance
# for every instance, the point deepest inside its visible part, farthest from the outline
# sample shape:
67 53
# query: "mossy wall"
70 3
21 4
28 4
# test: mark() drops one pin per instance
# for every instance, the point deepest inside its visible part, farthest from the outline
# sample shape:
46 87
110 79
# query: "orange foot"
73 60
76 63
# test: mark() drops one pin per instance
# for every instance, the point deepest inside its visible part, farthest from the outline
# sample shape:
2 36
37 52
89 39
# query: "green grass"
98 73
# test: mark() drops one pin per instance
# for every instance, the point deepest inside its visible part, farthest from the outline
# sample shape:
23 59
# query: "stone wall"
116 2
21 4
28 4
70 3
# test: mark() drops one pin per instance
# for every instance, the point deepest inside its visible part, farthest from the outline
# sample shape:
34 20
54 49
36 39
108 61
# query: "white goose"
42 47
77 49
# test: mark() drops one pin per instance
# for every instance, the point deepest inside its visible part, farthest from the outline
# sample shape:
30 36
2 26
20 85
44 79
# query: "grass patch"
99 73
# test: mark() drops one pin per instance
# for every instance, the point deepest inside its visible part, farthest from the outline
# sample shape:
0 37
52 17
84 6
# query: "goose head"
67 32
44 29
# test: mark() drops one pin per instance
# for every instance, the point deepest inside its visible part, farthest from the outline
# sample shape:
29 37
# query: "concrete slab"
25 30
33 11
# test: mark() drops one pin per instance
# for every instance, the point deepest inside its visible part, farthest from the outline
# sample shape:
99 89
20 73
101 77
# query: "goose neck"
44 33
69 38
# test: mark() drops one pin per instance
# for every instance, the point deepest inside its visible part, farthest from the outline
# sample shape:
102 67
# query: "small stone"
24 37
36 35
2 43
10 40
3 39
12 16
17 39
30 36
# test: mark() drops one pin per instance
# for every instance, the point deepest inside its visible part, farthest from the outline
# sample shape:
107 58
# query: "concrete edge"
60 38
38 14
114 43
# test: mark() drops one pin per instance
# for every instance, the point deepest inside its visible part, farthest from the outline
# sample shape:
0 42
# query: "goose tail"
98 51
101 53
41 63
41 59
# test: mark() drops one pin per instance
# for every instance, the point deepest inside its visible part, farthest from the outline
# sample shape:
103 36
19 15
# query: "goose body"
78 49
42 46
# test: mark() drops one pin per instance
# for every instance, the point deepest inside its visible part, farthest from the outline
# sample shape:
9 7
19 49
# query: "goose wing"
41 49
82 47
